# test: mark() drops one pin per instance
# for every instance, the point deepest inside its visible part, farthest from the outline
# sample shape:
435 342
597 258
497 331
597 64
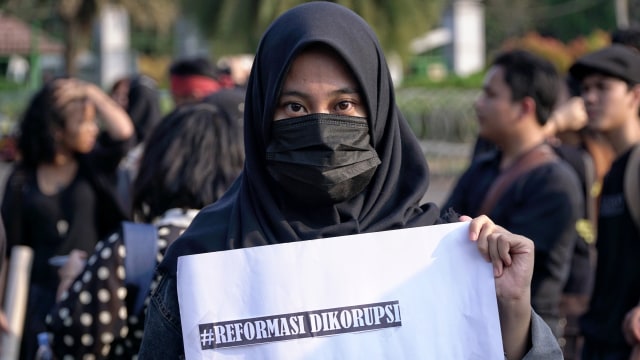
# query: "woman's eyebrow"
295 93
341 91
346 90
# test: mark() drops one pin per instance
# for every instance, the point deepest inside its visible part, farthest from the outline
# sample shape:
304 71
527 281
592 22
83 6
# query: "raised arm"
115 120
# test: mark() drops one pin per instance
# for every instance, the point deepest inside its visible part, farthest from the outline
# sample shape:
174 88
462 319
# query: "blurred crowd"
88 162
555 161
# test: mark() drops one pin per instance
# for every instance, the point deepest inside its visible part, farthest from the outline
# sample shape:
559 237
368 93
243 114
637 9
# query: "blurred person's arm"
70 271
569 116
83 290
631 327
117 135
115 120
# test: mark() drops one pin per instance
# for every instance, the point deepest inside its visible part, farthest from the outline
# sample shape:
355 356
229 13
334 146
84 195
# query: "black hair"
36 142
630 37
190 159
144 105
529 75
627 36
194 66
120 82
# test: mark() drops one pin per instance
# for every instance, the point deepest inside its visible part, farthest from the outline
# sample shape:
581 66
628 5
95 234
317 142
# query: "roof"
431 40
15 38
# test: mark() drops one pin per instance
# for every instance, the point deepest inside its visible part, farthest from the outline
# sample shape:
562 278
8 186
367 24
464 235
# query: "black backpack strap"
632 185
141 243
583 166
590 180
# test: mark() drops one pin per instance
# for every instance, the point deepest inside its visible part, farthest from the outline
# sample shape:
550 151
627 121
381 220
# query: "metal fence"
440 114
12 104
443 119
445 123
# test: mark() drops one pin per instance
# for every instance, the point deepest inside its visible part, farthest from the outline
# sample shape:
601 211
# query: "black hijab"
254 211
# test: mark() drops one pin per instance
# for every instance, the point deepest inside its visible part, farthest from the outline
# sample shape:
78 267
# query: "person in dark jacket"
524 184
610 88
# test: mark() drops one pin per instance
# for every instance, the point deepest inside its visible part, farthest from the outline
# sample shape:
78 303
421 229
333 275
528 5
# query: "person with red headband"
192 79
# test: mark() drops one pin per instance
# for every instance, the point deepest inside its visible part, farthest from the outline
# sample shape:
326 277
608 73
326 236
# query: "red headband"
193 85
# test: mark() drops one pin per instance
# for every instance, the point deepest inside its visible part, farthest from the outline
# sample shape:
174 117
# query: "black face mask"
322 158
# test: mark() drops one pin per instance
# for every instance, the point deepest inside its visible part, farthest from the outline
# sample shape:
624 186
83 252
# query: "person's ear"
58 134
528 107
635 93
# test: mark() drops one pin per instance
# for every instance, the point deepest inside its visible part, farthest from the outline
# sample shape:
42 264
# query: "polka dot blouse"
92 319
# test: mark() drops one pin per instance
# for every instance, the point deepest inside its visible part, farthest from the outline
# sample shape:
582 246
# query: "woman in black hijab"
370 176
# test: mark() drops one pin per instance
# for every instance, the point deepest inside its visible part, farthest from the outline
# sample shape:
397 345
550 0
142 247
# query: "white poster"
419 293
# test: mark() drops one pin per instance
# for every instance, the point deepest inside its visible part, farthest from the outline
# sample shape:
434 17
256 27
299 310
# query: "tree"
72 20
76 17
236 26
561 19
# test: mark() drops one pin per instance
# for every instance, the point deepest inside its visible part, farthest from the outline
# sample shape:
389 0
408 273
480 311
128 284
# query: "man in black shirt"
610 88
523 185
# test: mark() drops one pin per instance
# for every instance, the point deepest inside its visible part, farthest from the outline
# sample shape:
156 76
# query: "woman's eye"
345 105
295 107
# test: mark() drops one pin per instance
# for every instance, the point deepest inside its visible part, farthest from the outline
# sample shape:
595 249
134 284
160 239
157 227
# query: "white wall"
468 37
113 45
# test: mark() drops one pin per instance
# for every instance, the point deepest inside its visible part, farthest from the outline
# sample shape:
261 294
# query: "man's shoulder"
488 161
558 172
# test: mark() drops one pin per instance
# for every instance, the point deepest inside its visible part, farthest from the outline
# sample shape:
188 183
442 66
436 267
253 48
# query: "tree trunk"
622 13
70 47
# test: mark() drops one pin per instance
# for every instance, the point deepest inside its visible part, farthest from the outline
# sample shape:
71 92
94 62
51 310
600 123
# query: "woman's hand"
115 119
512 258
68 90
70 270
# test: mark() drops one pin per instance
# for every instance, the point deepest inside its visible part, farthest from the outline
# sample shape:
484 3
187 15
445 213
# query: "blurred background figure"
120 91
192 79
235 70
190 160
195 153
140 97
523 183
610 87
629 36
60 197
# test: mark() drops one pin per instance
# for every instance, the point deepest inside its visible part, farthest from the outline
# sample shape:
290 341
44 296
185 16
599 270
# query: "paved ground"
439 188
5 169
446 162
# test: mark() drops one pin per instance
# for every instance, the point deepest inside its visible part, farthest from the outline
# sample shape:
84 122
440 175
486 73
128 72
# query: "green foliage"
560 54
561 19
13 101
150 43
235 26
549 48
473 81
8 85
567 20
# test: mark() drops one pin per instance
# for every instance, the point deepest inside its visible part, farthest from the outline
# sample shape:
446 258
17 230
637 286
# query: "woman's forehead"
320 63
